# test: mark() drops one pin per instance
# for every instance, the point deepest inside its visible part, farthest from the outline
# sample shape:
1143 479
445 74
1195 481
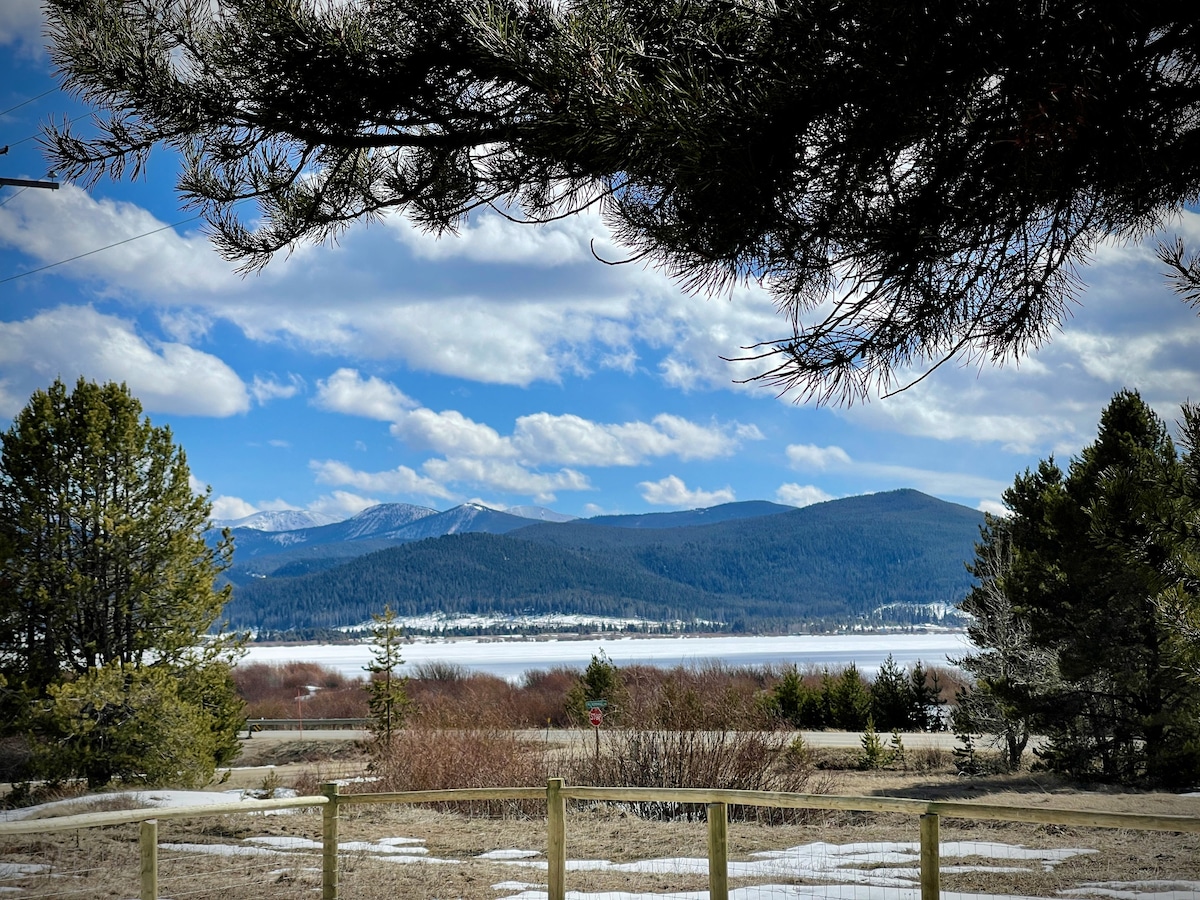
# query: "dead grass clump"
438 752
724 760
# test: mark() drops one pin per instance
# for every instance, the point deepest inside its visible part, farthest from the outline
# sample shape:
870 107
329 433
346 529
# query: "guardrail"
557 793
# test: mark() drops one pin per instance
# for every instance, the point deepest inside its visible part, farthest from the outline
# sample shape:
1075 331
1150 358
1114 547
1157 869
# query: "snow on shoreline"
510 658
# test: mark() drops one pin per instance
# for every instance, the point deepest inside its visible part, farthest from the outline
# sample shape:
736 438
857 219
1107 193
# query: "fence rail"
557 793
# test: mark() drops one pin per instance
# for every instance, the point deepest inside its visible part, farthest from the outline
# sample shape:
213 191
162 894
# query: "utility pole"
25 182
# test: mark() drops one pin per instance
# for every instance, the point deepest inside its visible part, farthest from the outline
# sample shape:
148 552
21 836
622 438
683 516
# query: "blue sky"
505 365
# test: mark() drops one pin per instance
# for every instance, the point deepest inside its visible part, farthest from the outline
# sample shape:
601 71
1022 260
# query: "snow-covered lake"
510 659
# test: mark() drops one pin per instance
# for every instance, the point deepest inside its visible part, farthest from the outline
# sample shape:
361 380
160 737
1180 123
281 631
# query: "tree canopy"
911 181
107 595
1083 590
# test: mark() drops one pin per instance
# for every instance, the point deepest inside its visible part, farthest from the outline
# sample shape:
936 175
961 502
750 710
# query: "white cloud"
506 477
341 505
994 507
801 494
931 481
230 508
538 438
21 23
810 456
68 342
490 238
449 432
671 491
267 389
401 480
573 440
345 391
57 225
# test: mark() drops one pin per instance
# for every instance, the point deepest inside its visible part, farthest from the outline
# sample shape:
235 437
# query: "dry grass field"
420 853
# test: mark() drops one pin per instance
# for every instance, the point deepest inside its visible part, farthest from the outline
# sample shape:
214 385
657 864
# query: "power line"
27 102
11 196
62 262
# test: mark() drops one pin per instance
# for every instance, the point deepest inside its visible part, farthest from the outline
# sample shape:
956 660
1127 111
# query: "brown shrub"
438 750
540 700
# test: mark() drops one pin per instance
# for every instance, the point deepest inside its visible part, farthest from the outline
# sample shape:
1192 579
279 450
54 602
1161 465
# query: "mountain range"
890 558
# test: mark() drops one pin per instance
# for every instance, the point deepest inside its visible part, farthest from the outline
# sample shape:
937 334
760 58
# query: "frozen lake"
509 659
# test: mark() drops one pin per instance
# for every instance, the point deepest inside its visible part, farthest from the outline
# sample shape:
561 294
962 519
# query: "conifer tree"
108 596
387 690
892 698
1095 553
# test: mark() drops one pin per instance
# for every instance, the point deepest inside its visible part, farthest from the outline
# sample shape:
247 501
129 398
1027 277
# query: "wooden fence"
557 793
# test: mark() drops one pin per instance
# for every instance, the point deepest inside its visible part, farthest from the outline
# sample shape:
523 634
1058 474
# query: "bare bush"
438 750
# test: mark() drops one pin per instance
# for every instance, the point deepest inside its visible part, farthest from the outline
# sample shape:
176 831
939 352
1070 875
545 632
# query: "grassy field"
417 852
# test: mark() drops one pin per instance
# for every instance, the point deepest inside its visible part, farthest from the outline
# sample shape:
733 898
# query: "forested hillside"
883 557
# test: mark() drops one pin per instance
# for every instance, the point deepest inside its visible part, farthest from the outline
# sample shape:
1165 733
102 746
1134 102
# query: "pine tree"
600 681
892 698
1094 552
107 593
387 690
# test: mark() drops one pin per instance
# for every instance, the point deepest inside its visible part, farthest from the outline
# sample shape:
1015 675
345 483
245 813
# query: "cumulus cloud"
931 481
52 226
672 491
574 440
490 238
810 456
68 342
507 477
449 432
801 494
229 508
345 391
401 480
265 390
538 438
21 23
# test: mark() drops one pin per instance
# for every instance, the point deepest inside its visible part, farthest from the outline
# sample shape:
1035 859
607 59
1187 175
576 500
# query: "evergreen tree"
892 699
387 690
601 680
926 693
795 702
107 595
1094 551
850 700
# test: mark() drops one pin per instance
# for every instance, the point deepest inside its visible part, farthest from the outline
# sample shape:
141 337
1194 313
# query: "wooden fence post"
556 840
931 876
329 843
718 851
148 846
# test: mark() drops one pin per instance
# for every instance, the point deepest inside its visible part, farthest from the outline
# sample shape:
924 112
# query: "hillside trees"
1090 560
934 172
107 595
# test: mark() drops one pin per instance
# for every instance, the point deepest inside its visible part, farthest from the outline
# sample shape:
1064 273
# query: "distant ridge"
890 558
747 509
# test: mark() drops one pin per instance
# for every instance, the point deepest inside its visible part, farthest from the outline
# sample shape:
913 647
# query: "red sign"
595 716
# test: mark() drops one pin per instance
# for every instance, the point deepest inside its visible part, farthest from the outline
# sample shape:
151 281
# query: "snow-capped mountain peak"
278 520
